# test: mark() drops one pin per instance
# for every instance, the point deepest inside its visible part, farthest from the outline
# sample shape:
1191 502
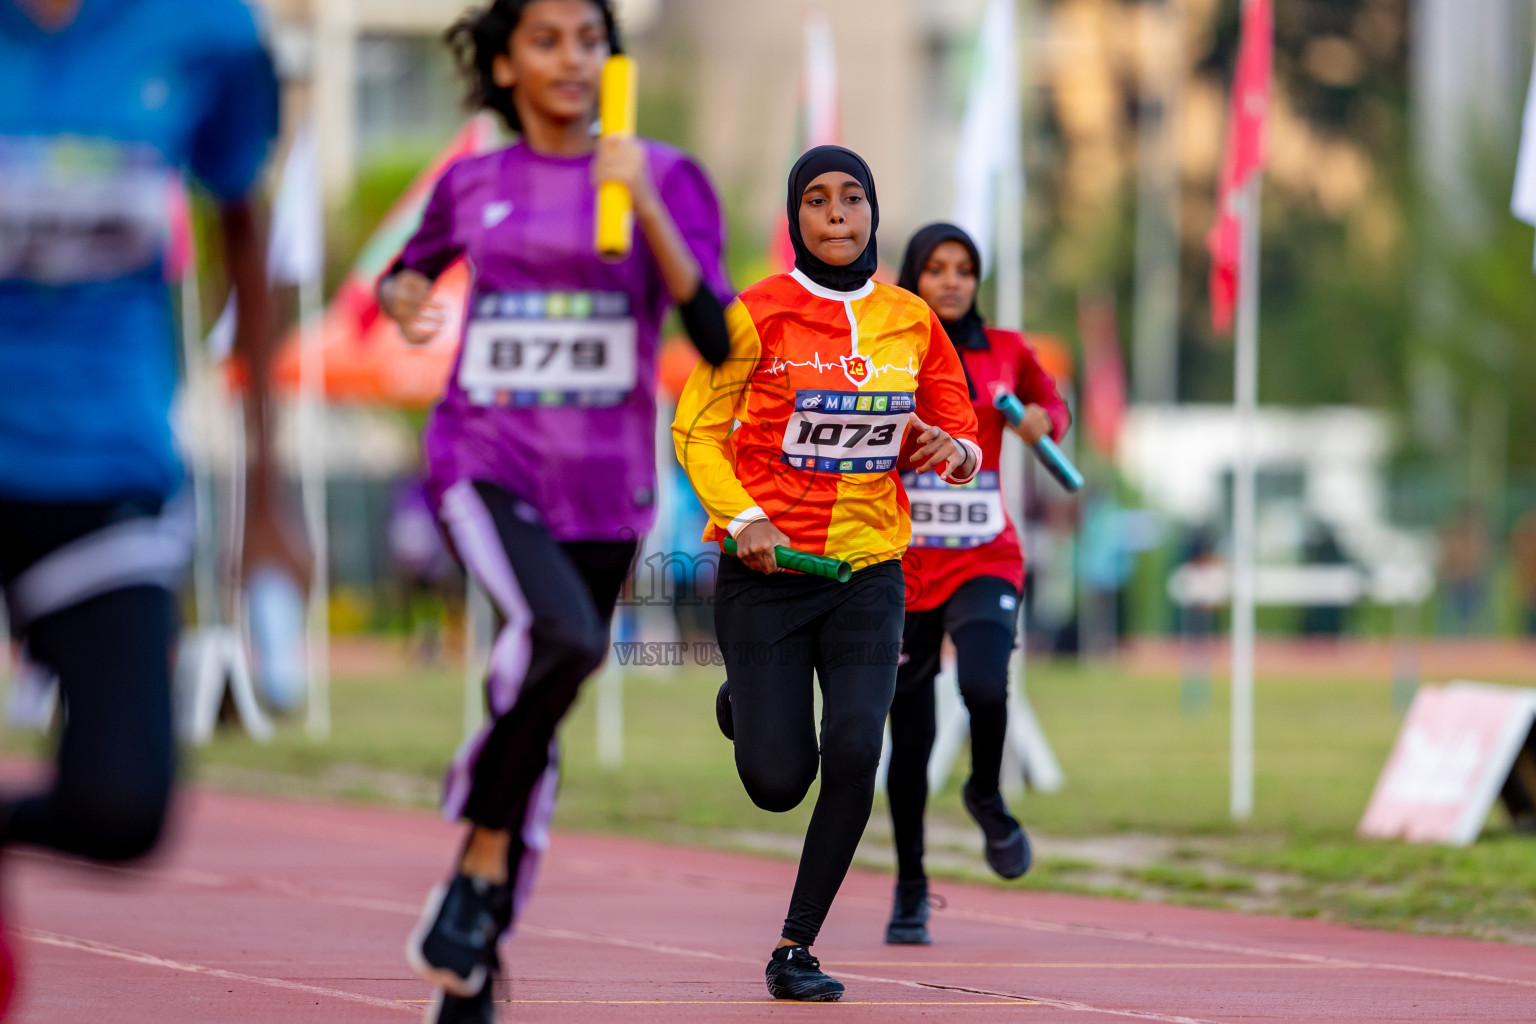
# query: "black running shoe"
723 711
909 914
794 974
476 1009
1007 845
454 945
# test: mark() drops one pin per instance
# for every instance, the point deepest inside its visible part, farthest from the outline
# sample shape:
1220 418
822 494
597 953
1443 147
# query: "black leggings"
979 617
111 652
555 600
775 631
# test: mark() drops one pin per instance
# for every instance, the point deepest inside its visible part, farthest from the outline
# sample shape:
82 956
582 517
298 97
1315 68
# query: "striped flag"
990 134
296 243
821 122
1242 156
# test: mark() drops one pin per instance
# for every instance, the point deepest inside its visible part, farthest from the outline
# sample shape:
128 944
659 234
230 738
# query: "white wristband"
745 519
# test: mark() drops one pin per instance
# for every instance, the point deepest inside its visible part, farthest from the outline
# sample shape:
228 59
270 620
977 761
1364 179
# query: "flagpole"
1245 398
312 417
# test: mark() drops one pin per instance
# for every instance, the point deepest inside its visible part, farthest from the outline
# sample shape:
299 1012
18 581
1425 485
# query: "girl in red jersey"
965 571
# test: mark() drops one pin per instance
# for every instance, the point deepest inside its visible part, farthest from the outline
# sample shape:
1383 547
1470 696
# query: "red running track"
267 911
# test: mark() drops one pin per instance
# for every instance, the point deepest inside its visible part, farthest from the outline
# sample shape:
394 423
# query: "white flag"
296 248
990 135
1523 203
298 239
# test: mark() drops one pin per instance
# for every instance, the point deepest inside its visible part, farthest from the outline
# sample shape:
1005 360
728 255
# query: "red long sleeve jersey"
962 532
819 388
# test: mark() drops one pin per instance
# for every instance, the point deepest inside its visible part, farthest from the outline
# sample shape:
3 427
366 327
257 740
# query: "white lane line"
928 986
698 880
651 874
150 960
1213 946
288 887
595 866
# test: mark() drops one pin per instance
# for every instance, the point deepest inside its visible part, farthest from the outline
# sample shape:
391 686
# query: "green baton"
803 561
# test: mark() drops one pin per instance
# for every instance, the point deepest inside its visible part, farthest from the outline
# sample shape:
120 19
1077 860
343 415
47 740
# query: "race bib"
78 210
846 431
549 349
948 516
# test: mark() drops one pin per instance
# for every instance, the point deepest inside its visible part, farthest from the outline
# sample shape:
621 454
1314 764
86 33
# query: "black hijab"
970 330
807 169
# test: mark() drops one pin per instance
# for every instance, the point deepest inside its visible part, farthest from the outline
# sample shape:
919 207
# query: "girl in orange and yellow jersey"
793 441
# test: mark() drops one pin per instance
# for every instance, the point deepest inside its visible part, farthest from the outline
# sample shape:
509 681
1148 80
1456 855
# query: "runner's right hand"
755 543
407 298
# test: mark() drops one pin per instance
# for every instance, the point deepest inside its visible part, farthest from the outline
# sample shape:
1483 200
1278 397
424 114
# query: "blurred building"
1315 466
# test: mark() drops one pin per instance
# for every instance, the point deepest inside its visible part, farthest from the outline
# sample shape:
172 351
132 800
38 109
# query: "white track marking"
927 986
1213 946
699 880
610 870
150 960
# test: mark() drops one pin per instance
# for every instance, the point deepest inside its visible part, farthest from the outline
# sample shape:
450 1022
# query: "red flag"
180 248
1242 157
1103 372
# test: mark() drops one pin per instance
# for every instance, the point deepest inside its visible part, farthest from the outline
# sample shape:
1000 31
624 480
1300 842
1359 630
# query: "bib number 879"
950 512
829 435
539 353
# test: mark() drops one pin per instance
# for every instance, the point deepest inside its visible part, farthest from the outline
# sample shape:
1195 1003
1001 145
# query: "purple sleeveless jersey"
553 393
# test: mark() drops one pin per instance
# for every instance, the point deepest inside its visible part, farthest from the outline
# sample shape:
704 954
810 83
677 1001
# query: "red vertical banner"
1243 154
1103 372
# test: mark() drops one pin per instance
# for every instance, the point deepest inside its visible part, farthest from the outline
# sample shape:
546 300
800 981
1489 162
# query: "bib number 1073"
845 435
846 432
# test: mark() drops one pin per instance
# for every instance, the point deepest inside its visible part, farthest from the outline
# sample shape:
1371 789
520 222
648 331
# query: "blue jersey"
100 122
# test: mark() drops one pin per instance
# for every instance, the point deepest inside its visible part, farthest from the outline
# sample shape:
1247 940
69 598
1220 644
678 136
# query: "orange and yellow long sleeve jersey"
804 421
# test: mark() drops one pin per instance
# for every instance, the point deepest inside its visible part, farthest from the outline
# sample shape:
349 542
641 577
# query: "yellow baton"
615 206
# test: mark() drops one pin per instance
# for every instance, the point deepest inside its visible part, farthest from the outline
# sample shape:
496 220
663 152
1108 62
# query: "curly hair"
482 34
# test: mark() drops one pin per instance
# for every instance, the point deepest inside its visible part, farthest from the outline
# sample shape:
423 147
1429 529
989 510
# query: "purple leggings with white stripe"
555 600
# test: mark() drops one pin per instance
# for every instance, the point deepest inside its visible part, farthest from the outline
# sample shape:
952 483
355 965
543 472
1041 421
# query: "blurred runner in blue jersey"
107 104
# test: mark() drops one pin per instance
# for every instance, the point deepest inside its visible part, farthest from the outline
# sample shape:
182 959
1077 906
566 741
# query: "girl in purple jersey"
540 457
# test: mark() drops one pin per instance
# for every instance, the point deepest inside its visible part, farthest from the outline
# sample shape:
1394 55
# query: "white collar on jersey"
830 293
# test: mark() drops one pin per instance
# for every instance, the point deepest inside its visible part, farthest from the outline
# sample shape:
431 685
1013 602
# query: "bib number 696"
978 512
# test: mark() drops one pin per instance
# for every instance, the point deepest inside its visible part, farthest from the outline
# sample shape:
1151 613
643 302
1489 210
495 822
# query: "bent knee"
777 789
854 761
581 645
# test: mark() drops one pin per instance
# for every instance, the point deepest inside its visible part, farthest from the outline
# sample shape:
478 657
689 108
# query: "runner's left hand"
936 448
1035 424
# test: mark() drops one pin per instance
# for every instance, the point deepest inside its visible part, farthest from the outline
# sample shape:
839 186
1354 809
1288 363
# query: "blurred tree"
1335 310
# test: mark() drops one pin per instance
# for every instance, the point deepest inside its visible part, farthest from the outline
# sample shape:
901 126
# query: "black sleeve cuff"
704 320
